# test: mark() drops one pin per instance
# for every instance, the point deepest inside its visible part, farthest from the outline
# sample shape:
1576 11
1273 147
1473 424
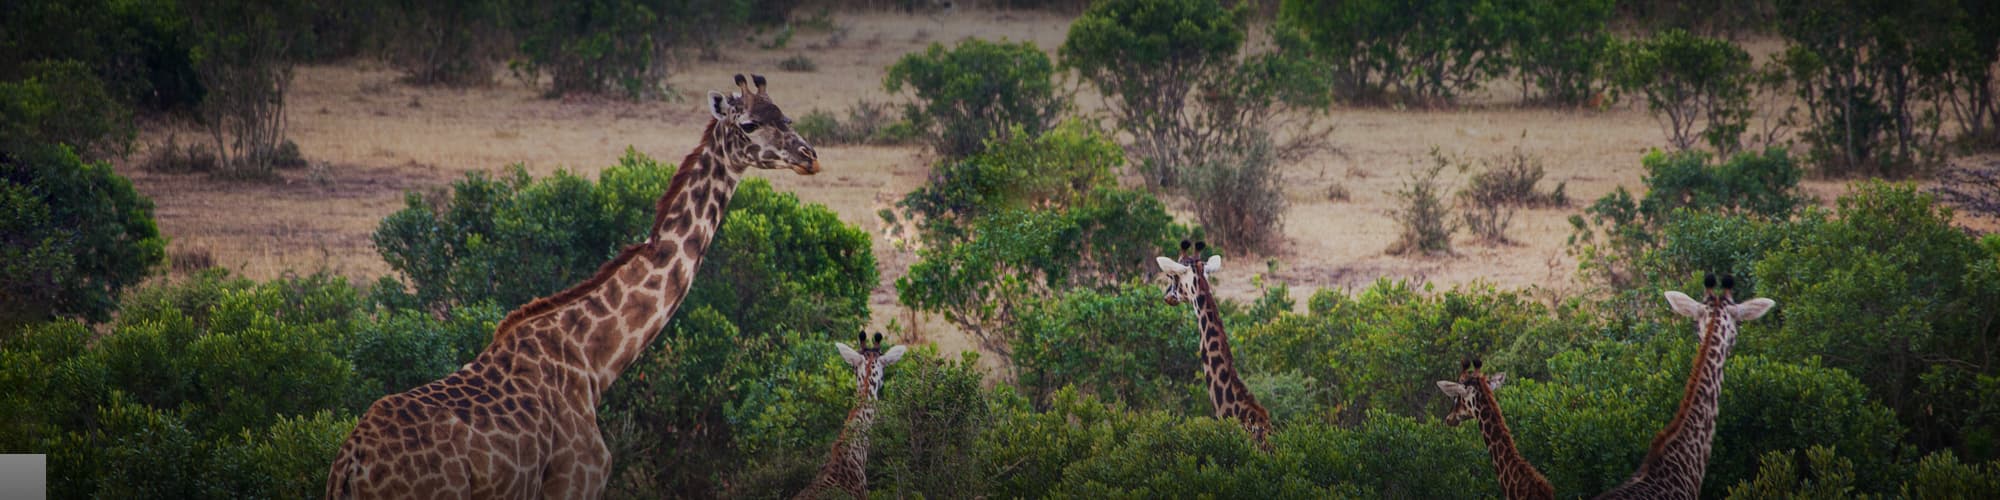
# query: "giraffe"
846 468
1472 397
520 420
1673 468
1189 283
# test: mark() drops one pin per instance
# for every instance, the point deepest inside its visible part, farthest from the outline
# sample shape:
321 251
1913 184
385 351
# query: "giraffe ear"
1493 382
719 106
1752 310
1685 305
847 353
1450 388
1170 266
894 354
1214 264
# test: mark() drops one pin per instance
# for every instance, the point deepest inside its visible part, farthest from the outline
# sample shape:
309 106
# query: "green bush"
1422 213
1148 57
141 50
60 103
1613 237
977 91
405 348
1015 171
1124 345
1008 258
932 412
1240 197
1890 290
602 46
75 235
1862 70
243 54
1689 80
1426 53
1560 48
445 43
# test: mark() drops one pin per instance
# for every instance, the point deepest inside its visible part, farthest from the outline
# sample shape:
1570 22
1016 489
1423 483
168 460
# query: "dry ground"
382 138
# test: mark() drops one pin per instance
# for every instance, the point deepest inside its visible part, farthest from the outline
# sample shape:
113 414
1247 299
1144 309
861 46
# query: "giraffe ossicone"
520 420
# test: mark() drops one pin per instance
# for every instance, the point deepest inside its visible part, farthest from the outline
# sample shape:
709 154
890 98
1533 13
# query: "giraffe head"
1466 403
869 362
1718 314
763 134
1182 273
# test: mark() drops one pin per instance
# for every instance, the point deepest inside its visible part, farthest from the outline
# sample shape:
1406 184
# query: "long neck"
846 466
1225 388
1517 476
1681 450
600 326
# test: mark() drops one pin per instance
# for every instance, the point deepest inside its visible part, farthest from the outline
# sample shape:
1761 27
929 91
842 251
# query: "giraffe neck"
1518 478
1225 388
1679 456
846 466
599 327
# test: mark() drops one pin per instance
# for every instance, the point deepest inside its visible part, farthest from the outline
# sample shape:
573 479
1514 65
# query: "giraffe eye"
748 127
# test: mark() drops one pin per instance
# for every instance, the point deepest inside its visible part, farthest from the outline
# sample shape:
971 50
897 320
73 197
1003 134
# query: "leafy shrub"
1148 57
405 348
1422 213
1561 48
1613 236
1890 291
1690 80
1016 171
76 234
141 50
1489 199
1123 345
605 46
60 103
1859 68
445 43
976 91
1425 53
982 282
931 418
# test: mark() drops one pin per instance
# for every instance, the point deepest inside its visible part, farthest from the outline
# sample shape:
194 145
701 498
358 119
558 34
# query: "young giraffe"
1472 397
1232 399
846 468
1679 457
520 420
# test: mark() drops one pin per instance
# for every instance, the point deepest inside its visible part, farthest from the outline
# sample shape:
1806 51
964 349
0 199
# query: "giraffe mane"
1653 453
544 305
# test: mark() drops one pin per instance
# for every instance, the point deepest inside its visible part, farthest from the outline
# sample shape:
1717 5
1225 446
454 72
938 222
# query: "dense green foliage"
73 234
1421 52
1613 237
977 91
1866 70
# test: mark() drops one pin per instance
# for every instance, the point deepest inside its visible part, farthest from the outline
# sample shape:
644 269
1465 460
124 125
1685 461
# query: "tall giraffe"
846 468
1232 399
520 420
1472 397
1679 457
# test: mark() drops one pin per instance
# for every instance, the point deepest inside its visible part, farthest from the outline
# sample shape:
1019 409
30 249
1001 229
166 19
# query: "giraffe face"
1464 401
868 364
765 136
1181 276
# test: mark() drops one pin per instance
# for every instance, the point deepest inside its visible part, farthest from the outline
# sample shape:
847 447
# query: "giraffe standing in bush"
1472 397
1679 457
1189 283
520 420
846 468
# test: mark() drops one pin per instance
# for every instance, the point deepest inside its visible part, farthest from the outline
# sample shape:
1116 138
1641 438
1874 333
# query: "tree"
1148 57
76 234
1690 80
976 92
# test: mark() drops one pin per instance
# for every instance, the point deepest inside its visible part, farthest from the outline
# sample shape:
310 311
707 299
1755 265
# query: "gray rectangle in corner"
24 477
